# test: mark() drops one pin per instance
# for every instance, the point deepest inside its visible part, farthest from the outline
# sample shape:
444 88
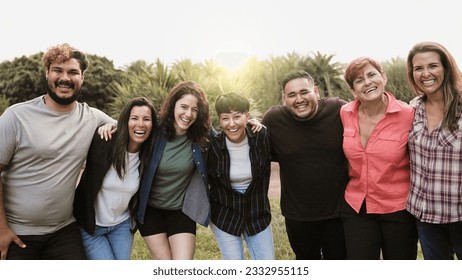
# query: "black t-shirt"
313 167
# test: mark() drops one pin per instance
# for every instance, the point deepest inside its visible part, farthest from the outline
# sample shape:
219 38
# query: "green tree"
327 76
262 82
4 103
22 79
397 79
215 79
265 76
96 90
141 78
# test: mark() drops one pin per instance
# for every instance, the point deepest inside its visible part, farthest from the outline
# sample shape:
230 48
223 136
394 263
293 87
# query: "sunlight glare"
232 54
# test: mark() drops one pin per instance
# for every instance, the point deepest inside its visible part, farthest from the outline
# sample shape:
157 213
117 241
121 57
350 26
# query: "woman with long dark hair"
435 148
107 194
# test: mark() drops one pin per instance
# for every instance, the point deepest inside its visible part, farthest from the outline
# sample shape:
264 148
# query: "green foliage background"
108 88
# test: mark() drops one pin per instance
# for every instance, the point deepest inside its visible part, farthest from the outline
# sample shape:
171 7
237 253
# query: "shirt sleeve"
103 118
8 136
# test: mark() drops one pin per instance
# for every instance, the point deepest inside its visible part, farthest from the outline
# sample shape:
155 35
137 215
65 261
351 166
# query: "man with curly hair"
43 145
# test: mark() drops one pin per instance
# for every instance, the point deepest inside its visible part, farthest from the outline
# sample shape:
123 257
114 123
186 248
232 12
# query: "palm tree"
140 78
397 81
327 74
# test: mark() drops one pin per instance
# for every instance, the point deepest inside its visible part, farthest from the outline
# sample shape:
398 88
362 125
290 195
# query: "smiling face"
233 125
428 72
139 127
369 84
64 81
301 98
185 113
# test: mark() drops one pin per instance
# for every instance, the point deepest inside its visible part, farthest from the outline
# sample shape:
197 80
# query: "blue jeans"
260 245
440 241
109 243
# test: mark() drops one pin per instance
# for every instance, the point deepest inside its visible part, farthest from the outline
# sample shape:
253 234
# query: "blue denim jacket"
196 204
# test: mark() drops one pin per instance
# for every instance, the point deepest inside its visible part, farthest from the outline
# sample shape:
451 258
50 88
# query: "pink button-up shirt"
379 173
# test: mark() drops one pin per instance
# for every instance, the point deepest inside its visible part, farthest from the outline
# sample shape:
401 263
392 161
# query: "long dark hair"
199 130
119 153
452 83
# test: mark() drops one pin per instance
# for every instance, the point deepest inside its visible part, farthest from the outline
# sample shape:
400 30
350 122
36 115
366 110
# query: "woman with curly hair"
173 192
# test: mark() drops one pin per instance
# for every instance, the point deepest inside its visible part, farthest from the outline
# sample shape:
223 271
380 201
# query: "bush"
4 103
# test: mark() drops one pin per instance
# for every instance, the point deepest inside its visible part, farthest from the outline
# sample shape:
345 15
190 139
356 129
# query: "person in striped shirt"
239 166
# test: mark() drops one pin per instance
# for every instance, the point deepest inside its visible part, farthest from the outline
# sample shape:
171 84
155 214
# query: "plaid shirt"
233 212
436 171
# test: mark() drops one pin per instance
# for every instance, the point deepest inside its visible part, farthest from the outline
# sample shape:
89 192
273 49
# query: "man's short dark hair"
295 75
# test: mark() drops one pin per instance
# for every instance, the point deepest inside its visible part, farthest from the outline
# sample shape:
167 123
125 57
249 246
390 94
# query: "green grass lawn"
207 248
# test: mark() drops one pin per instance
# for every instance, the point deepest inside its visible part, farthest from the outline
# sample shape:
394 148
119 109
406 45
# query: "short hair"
295 75
353 68
62 53
231 102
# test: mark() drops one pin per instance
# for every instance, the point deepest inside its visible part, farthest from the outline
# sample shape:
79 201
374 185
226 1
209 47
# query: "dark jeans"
64 244
317 240
367 235
440 241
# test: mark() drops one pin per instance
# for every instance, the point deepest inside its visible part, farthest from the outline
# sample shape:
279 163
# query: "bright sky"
171 30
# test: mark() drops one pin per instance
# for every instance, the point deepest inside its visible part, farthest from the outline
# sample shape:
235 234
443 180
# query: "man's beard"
61 100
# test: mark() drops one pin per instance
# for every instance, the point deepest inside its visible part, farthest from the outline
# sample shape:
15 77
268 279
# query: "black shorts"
166 221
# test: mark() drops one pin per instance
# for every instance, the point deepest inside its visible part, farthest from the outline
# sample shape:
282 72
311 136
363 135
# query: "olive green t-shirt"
172 175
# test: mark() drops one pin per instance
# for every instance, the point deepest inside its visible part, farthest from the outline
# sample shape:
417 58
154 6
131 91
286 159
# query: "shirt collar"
392 107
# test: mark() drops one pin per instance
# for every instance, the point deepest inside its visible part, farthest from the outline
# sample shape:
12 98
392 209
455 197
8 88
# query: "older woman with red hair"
376 128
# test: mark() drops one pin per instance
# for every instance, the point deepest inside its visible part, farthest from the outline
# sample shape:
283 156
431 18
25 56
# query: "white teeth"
62 84
138 132
185 120
428 82
370 90
233 130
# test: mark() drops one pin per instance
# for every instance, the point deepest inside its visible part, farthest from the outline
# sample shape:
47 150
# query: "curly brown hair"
62 53
199 130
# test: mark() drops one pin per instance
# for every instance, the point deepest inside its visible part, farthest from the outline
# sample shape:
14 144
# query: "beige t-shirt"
44 151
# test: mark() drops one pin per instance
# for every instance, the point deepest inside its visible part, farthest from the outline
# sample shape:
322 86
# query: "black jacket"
99 160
